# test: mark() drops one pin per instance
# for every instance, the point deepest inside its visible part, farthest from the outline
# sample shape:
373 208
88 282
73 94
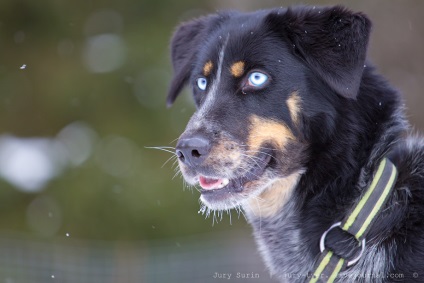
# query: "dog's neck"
289 217
289 250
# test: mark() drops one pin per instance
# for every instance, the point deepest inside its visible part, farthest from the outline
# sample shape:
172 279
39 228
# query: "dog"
291 125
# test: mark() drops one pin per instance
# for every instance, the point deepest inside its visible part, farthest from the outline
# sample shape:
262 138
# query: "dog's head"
264 84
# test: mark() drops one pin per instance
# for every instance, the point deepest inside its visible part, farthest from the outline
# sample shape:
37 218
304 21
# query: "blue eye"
202 83
257 79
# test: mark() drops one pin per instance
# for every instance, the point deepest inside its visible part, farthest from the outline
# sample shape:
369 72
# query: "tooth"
223 183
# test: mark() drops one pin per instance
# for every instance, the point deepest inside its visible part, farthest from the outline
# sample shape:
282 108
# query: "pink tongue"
209 184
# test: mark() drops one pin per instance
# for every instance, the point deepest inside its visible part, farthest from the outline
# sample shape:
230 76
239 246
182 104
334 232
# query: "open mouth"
214 185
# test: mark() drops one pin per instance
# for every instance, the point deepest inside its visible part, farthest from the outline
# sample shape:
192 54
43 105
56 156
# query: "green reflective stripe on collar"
380 202
328 269
365 211
336 271
363 201
324 262
358 221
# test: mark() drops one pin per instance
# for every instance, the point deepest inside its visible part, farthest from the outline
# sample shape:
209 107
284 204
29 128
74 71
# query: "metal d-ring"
322 244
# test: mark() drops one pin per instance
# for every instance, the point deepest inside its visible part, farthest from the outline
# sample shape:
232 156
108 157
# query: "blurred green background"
82 96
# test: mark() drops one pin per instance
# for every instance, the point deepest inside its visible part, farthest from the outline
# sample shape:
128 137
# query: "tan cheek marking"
270 202
226 150
237 69
263 130
207 68
294 105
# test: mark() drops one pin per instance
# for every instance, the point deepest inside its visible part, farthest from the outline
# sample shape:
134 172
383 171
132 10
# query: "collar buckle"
361 244
357 223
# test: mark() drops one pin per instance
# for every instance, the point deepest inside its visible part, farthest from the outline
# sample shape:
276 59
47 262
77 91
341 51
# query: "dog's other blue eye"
257 79
202 83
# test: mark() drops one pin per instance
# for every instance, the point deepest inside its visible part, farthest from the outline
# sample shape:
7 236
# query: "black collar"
356 223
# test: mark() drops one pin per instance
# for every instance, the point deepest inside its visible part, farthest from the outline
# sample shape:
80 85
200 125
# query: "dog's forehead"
238 39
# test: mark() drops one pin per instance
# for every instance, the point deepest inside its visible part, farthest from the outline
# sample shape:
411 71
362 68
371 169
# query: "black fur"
350 119
333 43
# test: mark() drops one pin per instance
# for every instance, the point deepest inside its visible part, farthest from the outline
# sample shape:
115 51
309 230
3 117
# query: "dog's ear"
331 40
185 43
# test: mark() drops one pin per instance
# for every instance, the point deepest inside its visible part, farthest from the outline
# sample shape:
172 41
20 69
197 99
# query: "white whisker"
177 173
169 159
163 148
174 140
260 152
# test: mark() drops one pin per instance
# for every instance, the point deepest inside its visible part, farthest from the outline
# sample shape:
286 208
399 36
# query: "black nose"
193 150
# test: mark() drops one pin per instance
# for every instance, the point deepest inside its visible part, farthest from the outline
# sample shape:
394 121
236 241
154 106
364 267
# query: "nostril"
195 153
180 155
192 151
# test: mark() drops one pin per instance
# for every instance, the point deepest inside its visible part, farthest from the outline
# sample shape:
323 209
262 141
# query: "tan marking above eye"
237 69
207 68
294 105
266 130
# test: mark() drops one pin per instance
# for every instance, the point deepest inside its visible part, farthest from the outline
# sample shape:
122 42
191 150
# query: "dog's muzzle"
193 150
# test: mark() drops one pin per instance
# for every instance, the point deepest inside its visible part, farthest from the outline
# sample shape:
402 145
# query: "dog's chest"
282 247
288 255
